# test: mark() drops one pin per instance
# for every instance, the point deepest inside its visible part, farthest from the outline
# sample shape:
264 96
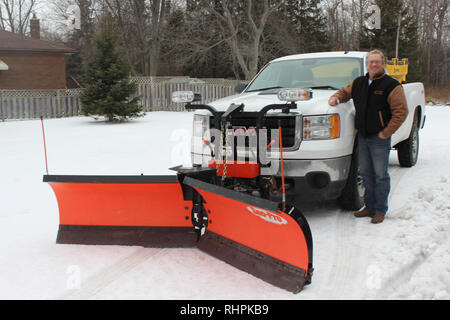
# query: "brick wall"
33 71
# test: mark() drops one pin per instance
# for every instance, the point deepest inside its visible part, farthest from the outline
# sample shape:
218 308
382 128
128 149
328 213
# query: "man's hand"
381 135
333 101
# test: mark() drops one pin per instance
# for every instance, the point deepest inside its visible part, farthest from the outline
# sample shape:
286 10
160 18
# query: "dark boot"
378 218
363 213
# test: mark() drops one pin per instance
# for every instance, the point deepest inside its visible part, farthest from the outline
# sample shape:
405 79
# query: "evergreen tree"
311 25
385 38
107 85
298 26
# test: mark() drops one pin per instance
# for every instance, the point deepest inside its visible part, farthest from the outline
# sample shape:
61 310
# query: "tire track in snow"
401 276
101 279
346 258
406 271
421 249
348 264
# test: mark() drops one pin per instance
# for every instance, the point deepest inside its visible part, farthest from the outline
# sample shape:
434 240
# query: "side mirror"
240 87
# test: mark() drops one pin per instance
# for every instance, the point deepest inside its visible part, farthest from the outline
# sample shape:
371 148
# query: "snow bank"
414 255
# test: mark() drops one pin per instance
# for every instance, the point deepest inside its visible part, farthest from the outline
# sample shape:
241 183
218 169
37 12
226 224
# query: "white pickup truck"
320 162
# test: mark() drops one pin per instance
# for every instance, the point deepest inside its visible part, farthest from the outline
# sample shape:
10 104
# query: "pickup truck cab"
319 158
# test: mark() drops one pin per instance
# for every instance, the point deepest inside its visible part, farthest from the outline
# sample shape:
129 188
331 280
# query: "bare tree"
346 22
335 23
245 50
441 28
158 10
128 18
141 22
15 15
434 27
141 25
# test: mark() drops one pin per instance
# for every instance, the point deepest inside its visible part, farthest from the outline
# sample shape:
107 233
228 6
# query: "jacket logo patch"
379 92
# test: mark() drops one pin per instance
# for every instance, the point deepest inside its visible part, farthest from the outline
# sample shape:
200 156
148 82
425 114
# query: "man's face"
375 64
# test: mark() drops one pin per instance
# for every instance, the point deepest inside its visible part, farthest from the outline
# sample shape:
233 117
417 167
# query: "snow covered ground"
406 257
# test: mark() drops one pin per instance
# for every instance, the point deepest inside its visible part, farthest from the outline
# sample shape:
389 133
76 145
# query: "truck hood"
255 101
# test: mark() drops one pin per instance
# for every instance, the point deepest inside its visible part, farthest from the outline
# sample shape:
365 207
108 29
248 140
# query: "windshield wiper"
265 89
325 87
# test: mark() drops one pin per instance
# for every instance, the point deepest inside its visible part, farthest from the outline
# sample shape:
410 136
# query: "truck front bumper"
336 168
314 179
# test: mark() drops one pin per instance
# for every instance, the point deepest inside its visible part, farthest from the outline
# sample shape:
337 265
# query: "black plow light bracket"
234 109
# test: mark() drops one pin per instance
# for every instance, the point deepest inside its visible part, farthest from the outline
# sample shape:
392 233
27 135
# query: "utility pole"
398 35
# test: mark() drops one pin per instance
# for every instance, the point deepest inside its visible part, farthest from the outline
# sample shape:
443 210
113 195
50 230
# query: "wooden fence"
155 95
32 104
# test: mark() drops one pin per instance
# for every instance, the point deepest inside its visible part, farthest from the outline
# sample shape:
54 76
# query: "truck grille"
288 124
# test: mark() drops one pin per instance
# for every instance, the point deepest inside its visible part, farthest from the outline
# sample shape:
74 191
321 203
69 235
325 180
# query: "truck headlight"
321 127
200 130
200 125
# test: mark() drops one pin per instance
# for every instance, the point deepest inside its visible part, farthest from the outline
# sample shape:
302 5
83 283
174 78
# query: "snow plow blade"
253 235
187 210
146 211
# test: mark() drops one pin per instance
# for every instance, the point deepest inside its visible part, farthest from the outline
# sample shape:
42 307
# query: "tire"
408 150
352 196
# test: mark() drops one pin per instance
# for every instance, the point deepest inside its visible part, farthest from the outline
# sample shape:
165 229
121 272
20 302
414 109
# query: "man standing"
381 108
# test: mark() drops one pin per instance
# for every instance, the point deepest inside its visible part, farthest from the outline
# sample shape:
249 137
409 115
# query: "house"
32 63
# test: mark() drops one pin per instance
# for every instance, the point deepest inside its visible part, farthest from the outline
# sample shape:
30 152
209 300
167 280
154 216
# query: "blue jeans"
373 155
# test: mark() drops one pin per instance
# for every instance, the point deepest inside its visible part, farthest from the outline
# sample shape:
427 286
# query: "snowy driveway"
405 257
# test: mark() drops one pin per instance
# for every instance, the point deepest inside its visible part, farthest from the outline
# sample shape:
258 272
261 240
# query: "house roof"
12 42
3 65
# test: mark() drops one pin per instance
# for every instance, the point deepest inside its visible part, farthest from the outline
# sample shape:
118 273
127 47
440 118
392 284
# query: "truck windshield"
320 73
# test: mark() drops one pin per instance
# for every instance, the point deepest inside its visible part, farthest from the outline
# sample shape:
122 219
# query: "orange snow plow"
138 210
249 233
229 214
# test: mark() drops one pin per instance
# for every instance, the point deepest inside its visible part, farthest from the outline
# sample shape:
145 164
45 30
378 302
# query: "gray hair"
376 51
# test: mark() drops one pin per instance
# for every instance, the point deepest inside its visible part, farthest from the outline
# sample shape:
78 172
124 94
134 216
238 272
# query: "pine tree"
107 85
311 25
385 38
298 26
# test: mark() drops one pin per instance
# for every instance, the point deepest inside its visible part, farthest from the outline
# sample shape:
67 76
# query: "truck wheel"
352 197
408 150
